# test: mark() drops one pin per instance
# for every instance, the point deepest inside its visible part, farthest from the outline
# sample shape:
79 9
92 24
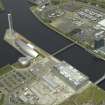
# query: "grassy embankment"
92 94
5 69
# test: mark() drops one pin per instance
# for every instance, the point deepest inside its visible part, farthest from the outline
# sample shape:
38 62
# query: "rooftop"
71 73
102 23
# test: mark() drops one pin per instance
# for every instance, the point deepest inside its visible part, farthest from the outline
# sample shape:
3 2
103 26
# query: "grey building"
70 75
99 40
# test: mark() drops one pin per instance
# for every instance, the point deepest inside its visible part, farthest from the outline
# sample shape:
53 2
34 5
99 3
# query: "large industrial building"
70 75
27 48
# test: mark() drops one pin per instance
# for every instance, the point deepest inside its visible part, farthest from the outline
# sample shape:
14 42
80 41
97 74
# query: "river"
26 24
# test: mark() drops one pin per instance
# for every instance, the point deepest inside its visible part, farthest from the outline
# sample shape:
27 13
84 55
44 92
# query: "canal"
26 24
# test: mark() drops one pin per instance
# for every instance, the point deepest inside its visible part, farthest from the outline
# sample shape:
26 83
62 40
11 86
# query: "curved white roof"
26 48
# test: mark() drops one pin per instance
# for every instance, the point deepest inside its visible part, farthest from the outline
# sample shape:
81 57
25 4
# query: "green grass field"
92 94
5 70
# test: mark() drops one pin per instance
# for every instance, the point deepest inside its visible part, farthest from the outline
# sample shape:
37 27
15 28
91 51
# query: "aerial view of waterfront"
52 52
26 24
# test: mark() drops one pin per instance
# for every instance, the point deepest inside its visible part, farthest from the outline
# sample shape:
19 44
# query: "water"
102 84
26 24
83 61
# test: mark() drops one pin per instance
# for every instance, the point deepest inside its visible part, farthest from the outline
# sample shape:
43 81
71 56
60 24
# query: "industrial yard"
80 22
44 81
92 95
37 77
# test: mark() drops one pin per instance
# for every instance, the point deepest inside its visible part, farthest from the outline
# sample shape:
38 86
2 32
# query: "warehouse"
70 75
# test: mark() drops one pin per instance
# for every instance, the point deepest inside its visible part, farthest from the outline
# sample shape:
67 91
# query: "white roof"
102 23
30 45
27 48
71 73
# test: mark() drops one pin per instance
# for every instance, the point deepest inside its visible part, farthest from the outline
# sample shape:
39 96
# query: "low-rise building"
70 75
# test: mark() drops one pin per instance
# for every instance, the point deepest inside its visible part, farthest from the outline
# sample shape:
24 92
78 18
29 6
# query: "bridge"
63 49
100 80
